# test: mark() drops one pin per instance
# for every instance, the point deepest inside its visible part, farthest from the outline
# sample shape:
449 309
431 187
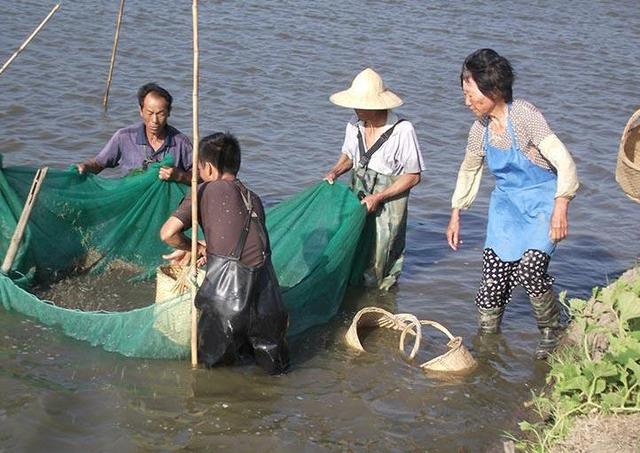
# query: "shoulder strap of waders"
365 156
237 252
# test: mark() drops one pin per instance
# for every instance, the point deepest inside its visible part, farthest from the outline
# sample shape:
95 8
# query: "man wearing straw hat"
383 151
136 146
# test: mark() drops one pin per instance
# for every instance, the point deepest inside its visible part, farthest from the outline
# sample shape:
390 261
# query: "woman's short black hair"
492 73
221 150
155 89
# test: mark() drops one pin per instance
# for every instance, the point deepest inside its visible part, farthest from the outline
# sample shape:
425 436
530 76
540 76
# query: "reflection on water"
267 70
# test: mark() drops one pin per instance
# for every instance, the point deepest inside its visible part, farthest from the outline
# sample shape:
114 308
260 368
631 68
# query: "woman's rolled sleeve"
557 154
470 172
468 181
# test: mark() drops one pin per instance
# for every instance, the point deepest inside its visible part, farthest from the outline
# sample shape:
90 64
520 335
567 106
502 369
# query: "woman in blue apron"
528 212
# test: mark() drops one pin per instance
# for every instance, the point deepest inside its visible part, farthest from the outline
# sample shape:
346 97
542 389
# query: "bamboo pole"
24 218
114 49
28 40
194 190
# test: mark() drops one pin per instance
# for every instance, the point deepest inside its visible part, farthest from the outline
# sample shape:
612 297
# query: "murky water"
267 70
113 290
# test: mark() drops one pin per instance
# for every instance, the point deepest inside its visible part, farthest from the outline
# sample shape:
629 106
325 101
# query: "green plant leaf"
565 371
621 350
582 325
611 400
577 305
628 306
599 369
635 367
576 383
607 295
600 386
595 292
526 426
606 369
568 404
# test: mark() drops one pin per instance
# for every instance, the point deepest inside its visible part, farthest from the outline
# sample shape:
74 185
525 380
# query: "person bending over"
242 313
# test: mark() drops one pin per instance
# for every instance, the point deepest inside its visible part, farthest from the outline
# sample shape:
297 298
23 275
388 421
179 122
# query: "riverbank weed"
598 371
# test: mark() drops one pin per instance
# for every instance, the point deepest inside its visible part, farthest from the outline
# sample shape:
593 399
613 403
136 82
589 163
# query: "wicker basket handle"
409 329
413 327
438 326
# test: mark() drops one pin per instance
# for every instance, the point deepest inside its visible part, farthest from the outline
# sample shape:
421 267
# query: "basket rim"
409 320
622 155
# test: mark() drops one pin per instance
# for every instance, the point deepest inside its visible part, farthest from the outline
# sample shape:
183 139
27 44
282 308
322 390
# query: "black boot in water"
547 313
490 319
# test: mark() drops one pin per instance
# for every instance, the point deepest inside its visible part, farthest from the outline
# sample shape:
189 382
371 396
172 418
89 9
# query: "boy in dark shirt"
240 301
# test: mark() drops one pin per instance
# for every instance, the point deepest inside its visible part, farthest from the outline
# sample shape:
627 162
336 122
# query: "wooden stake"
24 218
114 49
194 190
28 40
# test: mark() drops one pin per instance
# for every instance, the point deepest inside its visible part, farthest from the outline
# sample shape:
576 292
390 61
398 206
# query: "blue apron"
521 202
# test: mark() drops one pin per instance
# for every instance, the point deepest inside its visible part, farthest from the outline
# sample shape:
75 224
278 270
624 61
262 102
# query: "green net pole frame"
194 191
24 218
314 235
114 49
28 40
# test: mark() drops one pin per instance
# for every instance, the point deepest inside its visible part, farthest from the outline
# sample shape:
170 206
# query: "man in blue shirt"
138 145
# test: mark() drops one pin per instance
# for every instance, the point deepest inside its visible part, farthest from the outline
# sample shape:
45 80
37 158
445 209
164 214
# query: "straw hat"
367 92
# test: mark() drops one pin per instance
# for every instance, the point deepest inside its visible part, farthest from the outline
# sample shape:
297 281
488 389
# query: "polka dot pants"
500 277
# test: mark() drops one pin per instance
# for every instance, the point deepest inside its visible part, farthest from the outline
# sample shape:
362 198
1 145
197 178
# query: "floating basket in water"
456 360
628 166
173 303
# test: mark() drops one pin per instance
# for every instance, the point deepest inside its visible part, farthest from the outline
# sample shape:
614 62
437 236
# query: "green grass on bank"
597 371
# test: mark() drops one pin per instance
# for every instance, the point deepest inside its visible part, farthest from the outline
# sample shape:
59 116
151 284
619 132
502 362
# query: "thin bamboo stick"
24 218
194 189
28 40
114 49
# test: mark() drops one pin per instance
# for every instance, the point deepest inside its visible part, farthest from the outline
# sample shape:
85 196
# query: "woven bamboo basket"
172 313
457 359
628 166
377 317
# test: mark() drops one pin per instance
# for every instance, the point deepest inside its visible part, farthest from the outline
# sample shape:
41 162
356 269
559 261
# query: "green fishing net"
86 223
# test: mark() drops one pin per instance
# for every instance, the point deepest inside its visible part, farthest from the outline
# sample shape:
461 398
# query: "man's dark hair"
155 89
492 73
222 150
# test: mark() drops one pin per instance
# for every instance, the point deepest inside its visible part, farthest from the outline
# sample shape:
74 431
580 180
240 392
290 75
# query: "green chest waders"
385 230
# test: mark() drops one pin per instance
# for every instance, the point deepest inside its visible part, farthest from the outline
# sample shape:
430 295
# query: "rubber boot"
490 319
547 313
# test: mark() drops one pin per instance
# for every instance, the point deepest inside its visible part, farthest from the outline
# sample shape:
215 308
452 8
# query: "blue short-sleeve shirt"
129 149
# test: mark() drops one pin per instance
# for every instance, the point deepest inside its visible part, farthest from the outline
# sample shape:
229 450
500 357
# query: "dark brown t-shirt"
221 215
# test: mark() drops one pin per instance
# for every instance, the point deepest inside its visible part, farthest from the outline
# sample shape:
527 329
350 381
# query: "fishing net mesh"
86 223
